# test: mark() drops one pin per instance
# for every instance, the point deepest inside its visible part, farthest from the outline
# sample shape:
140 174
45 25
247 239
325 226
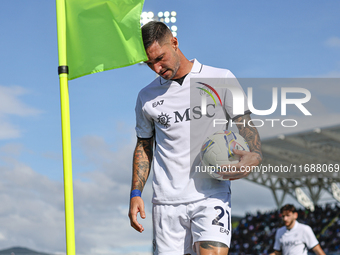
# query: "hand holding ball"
217 154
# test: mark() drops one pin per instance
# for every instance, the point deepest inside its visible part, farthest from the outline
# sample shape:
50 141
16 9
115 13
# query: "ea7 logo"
154 104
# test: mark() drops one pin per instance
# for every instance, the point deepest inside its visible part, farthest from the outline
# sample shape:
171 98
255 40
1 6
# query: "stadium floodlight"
150 15
146 17
166 17
317 130
303 199
174 30
281 137
336 191
173 20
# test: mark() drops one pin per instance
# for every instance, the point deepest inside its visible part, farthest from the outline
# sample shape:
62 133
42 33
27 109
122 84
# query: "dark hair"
154 31
288 207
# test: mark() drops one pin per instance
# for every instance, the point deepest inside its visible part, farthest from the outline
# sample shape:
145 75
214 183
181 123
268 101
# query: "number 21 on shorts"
217 222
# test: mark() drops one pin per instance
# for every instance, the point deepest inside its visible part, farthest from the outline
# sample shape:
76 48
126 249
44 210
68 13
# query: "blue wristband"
135 193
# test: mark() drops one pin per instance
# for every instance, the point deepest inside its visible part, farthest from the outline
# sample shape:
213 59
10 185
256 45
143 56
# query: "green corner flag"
102 35
93 36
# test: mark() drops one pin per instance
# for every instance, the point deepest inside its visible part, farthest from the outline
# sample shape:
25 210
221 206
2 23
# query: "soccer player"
294 238
191 214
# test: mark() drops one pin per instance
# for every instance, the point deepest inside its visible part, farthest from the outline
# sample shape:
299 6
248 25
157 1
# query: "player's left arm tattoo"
250 133
142 158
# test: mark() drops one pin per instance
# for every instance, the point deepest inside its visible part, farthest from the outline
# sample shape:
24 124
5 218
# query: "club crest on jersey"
204 91
164 119
209 90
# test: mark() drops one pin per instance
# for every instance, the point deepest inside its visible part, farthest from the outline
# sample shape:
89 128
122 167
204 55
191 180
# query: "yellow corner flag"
102 35
93 36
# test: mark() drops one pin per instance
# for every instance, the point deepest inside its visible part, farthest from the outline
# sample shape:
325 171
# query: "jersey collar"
196 68
295 226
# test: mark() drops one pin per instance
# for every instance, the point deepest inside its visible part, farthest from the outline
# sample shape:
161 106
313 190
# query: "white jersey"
166 110
295 241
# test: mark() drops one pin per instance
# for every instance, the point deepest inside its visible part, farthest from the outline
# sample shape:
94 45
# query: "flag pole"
66 128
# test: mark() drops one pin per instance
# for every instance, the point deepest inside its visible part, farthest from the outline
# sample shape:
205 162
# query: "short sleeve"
144 122
277 245
235 92
311 240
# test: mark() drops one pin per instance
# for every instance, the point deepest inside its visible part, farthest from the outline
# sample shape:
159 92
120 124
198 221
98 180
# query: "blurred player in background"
191 215
294 238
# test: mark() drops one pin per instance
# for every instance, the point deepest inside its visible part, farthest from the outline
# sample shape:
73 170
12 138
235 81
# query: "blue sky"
254 39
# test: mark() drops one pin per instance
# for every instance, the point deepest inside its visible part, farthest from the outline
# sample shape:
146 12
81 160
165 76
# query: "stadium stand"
255 233
318 147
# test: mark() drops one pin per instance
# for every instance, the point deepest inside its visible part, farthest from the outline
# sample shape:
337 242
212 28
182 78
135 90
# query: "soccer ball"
217 153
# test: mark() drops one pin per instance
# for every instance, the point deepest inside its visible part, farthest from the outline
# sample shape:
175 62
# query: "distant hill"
20 251
236 218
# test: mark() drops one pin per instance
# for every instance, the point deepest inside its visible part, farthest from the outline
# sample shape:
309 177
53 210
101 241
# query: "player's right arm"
318 250
277 245
142 158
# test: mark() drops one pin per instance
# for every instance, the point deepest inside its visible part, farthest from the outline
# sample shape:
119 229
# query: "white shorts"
176 228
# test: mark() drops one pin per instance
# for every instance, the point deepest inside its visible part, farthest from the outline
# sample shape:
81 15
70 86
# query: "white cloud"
8 130
32 211
104 200
2 236
11 105
335 73
332 74
333 42
11 149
